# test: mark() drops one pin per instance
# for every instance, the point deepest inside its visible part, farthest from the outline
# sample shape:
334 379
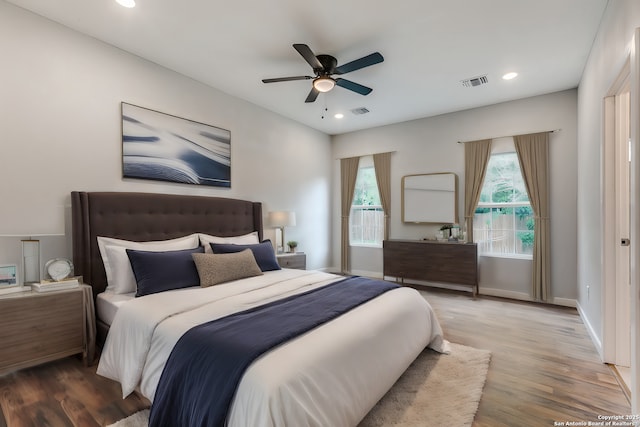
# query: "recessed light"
510 76
338 115
126 3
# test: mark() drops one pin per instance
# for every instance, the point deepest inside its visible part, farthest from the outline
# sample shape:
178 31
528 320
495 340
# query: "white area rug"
436 390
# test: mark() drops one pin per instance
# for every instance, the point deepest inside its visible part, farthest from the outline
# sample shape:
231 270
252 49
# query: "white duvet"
330 376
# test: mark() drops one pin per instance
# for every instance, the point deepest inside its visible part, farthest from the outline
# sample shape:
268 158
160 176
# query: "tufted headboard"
147 216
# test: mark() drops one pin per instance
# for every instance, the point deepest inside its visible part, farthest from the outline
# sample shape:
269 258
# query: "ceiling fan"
324 66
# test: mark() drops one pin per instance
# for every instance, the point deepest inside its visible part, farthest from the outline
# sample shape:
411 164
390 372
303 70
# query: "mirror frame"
432 220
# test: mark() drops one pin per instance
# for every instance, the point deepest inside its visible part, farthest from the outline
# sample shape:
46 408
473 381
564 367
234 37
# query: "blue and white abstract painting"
163 147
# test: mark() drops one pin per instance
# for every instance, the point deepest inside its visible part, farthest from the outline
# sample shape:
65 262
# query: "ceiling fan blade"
365 61
358 88
308 55
312 95
286 79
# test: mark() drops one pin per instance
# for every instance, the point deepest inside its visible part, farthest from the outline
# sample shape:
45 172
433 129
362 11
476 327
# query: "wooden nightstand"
38 327
293 260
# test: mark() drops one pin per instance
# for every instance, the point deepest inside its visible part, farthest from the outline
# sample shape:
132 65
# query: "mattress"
108 303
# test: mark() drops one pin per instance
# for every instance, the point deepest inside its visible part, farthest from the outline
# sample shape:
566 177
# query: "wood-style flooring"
544 369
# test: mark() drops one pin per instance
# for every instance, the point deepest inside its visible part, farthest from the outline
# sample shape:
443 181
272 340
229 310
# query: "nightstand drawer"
295 260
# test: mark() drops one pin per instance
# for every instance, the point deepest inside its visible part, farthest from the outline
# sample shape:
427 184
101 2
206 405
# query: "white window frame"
513 205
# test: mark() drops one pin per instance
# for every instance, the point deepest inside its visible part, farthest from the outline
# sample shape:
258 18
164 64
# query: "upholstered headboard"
147 216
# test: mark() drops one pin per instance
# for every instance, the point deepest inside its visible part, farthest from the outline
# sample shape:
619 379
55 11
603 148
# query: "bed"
331 375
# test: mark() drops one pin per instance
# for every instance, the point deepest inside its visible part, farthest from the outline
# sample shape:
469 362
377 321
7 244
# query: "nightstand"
292 260
38 327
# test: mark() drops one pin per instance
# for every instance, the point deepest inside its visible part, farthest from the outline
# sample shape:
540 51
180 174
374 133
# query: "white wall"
60 95
430 145
609 53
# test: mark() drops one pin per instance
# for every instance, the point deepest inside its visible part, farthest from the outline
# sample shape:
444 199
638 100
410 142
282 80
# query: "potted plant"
292 245
446 230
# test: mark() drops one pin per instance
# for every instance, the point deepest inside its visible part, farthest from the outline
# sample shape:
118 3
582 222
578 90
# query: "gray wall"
429 145
61 131
609 53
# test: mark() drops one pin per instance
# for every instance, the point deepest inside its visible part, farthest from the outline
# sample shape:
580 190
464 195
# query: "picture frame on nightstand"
9 276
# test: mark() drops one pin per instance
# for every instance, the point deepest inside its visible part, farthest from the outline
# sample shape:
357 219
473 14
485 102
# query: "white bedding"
108 303
330 376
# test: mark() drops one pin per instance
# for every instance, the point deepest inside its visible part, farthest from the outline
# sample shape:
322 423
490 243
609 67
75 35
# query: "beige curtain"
533 156
476 157
382 165
348 175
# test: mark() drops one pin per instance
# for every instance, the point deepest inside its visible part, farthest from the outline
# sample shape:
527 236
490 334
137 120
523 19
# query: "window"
503 221
366 222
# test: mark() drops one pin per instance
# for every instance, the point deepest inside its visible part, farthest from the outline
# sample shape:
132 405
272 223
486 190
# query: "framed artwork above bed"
163 147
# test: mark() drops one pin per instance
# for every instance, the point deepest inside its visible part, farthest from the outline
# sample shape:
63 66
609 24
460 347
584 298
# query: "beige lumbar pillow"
220 268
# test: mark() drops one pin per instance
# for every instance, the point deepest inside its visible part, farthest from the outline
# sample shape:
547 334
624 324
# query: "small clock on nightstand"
292 260
58 269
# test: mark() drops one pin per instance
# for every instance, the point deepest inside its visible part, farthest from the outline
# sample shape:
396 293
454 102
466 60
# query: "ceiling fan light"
127 3
324 84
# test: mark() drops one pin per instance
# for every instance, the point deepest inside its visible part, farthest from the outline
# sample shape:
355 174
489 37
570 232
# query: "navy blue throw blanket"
204 369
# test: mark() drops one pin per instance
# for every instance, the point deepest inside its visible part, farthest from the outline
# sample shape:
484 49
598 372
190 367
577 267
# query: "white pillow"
245 239
120 278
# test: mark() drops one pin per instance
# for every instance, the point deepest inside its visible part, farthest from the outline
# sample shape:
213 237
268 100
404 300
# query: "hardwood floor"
63 393
544 368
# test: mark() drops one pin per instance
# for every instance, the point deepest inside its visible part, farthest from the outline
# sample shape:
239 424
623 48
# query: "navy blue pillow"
162 271
262 252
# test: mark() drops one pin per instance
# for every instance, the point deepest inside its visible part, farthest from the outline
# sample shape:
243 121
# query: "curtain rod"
507 136
362 155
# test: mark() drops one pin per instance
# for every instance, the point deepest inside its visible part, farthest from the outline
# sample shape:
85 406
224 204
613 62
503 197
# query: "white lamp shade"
324 84
282 219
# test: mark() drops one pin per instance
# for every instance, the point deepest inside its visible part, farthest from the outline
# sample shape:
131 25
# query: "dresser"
431 261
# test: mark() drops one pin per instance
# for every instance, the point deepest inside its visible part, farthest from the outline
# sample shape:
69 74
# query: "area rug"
436 390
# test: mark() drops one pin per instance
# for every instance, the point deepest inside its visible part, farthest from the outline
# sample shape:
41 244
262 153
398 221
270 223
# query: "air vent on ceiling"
475 81
361 110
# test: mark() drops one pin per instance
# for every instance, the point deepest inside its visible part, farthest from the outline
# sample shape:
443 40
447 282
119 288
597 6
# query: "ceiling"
429 47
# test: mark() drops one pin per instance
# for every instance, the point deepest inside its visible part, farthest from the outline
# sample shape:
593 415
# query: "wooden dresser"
430 261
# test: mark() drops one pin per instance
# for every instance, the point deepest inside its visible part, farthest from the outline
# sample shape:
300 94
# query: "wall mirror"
430 197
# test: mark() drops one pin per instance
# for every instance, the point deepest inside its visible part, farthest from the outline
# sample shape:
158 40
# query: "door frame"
635 220
608 294
611 296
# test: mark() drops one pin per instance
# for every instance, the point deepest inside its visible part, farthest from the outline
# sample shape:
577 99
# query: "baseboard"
493 292
503 293
450 286
521 296
566 302
594 337
363 273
